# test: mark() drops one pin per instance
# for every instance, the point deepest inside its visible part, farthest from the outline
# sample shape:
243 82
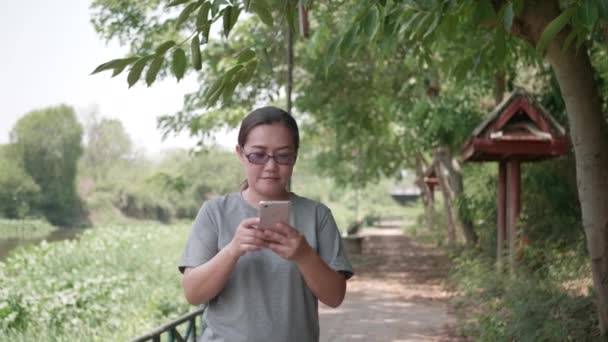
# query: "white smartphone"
272 212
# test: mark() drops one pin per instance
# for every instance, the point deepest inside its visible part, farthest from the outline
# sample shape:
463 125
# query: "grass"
531 305
24 229
115 283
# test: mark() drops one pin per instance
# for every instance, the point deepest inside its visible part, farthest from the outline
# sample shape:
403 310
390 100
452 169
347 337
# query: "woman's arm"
327 285
204 282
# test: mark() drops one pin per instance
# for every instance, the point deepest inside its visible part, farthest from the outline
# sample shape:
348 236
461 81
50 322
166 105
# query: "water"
9 244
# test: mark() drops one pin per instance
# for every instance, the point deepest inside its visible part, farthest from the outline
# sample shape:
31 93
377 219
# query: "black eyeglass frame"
273 156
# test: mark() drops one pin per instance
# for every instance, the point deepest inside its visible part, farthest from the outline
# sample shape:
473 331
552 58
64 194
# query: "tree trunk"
444 157
448 195
426 192
589 136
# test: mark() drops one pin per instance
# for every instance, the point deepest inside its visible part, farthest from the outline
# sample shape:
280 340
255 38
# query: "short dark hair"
267 116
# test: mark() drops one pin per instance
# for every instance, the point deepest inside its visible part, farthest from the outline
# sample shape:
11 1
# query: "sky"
49 49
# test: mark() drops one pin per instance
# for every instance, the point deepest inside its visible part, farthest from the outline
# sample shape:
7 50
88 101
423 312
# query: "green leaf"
179 63
162 48
232 71
229 87
202 16
588 13
554 28
153 69
262 11
507 16
602 9
119 69
370 23
226 19
349 40
114 64
234 15
248 72
245 56
185 14
215 96
461 69
195 50
267 61
406 28
205 33
177 2
484 12
213 89
433 26
422 24
136 70
332 53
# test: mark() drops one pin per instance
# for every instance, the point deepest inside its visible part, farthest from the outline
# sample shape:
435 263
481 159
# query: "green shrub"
529 306
144 206
114 283
19 194
24 229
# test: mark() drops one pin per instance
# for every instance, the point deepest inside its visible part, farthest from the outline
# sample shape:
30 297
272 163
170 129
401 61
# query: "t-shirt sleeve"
202 244
330 244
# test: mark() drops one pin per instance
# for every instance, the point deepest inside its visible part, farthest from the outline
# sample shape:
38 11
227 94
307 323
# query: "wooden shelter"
517 130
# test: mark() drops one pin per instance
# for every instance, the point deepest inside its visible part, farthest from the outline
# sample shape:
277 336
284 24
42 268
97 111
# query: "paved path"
396 294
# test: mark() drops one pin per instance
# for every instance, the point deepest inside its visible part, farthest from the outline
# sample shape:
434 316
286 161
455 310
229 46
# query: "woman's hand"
287 242
247 238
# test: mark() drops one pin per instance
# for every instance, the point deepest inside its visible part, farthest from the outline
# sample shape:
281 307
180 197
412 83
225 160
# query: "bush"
113 284
142 206
24 229
19 194
530 306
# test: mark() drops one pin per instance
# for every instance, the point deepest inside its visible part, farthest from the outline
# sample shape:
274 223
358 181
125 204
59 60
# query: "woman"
263 284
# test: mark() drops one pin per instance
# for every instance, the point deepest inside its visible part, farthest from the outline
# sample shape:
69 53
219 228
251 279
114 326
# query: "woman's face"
268 180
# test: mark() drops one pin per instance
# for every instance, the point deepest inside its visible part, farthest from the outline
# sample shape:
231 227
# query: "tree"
107 143
48 144
18 192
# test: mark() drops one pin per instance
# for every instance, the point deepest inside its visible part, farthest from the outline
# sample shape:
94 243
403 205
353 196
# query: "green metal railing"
171 332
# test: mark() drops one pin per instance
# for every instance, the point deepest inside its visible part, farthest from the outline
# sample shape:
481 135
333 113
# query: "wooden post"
513 199
431 207
500 225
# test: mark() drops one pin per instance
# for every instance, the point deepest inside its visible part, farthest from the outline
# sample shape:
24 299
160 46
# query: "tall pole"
501 213
289 83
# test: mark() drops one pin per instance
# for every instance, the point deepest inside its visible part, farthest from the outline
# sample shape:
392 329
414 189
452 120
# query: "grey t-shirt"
265 298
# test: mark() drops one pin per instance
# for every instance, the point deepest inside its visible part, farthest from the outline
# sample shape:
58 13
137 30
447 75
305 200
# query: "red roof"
518 128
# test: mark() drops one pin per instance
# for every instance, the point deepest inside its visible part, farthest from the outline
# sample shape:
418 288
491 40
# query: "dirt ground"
397 294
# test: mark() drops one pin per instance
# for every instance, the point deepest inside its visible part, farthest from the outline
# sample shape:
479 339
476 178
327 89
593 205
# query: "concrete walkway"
396 294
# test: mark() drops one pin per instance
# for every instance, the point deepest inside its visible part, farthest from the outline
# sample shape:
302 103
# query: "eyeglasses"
259 158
